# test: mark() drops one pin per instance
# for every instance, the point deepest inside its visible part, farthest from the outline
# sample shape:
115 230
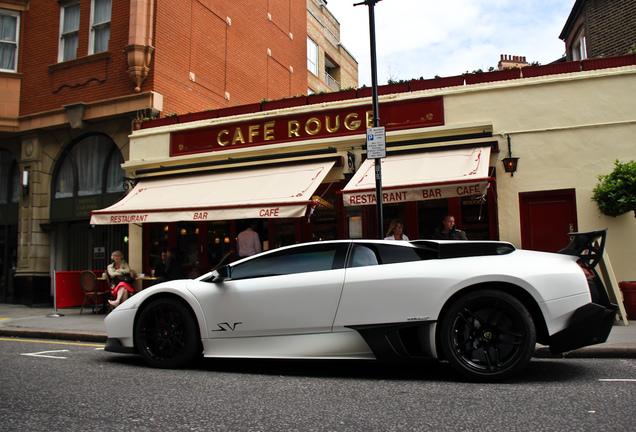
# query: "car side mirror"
221 274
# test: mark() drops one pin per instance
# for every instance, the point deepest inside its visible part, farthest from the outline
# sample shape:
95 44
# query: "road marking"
619 380
44 354
51 342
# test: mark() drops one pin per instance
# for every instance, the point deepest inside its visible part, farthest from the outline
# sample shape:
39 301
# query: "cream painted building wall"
566 130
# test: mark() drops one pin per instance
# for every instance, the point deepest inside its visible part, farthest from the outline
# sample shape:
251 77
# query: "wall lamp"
510 163
25 183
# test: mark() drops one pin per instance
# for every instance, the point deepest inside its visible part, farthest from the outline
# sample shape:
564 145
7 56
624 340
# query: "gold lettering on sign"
293 128
269 131
222 142
336 127
238 137
351 124
253 132
316 129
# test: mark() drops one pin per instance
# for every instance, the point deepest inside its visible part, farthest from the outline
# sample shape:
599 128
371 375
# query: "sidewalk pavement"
68 324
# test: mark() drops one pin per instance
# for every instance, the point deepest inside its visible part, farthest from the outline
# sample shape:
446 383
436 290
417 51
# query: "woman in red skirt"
121 277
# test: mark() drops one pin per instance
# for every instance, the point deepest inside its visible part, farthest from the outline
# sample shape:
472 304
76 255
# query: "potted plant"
615 194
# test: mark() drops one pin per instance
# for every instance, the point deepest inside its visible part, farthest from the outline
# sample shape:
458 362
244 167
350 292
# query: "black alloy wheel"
167 334
487 335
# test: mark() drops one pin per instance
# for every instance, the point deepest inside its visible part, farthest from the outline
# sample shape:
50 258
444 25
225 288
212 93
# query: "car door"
293 291
381 285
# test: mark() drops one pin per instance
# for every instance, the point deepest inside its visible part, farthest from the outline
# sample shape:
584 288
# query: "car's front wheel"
487 335
167 335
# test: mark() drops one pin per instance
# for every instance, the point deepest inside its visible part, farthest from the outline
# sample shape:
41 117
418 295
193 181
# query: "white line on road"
44 354
619 380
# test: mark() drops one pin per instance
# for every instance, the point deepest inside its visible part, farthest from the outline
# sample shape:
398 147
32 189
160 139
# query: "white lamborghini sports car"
480 305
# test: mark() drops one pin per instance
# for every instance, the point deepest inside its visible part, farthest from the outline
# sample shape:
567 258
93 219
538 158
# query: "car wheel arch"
519 293
165 295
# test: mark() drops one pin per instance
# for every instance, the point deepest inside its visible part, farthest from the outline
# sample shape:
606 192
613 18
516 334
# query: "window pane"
115 180
101 25
64 182
297 260
312 56
71 18
70 31
101 14
102 35
8 46
90 154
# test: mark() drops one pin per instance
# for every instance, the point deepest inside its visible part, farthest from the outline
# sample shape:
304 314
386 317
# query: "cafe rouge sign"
394 116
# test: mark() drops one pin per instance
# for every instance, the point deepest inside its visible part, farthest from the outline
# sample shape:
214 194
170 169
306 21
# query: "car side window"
363 256
379 254
302 259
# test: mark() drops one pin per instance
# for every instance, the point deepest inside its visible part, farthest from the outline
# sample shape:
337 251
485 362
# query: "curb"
48 334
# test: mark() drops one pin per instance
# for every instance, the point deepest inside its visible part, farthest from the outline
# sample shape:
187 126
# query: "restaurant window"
69 31
9 31
312 56
91 167
284 232
324 220
219 241
100 26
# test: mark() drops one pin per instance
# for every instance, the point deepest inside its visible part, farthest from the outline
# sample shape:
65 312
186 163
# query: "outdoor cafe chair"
92 294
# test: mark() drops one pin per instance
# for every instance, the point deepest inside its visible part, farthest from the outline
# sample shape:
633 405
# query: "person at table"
161 266
173 266
121 277
447 230
396 231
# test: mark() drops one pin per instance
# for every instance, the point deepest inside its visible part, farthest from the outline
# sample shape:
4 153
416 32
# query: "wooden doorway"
546 219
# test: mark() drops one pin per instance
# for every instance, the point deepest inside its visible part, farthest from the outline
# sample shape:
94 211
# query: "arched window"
9 179
92 166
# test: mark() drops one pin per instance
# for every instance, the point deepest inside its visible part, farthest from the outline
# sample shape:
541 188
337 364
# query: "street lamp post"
376 117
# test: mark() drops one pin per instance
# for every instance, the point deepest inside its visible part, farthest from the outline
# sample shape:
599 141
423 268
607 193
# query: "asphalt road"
63 386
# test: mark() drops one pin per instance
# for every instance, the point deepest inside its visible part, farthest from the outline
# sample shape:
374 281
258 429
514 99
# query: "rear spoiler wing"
588 246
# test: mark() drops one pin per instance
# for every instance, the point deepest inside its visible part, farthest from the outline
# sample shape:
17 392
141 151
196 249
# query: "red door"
546 219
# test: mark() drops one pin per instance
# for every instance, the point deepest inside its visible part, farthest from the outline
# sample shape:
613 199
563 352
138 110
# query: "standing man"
248 243
448 231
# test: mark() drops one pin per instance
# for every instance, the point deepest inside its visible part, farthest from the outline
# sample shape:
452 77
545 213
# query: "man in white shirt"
248 242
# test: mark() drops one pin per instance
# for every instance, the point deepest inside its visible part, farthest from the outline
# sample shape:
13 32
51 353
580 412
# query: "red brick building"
74 76
600 28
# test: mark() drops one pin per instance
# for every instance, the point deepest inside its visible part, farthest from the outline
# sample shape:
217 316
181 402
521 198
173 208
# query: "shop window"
69 31
325 226
9 31
312 56
91 167
284 232
9 179
100 26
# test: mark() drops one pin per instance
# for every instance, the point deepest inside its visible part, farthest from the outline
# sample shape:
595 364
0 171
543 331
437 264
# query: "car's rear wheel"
167 334
487 335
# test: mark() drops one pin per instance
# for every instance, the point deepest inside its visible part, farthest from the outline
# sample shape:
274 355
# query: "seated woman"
121 277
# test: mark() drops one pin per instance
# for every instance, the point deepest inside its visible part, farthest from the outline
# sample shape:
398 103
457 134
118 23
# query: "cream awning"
421 176
273 192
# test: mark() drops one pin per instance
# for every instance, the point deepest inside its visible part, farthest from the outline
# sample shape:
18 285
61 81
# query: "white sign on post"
376 143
